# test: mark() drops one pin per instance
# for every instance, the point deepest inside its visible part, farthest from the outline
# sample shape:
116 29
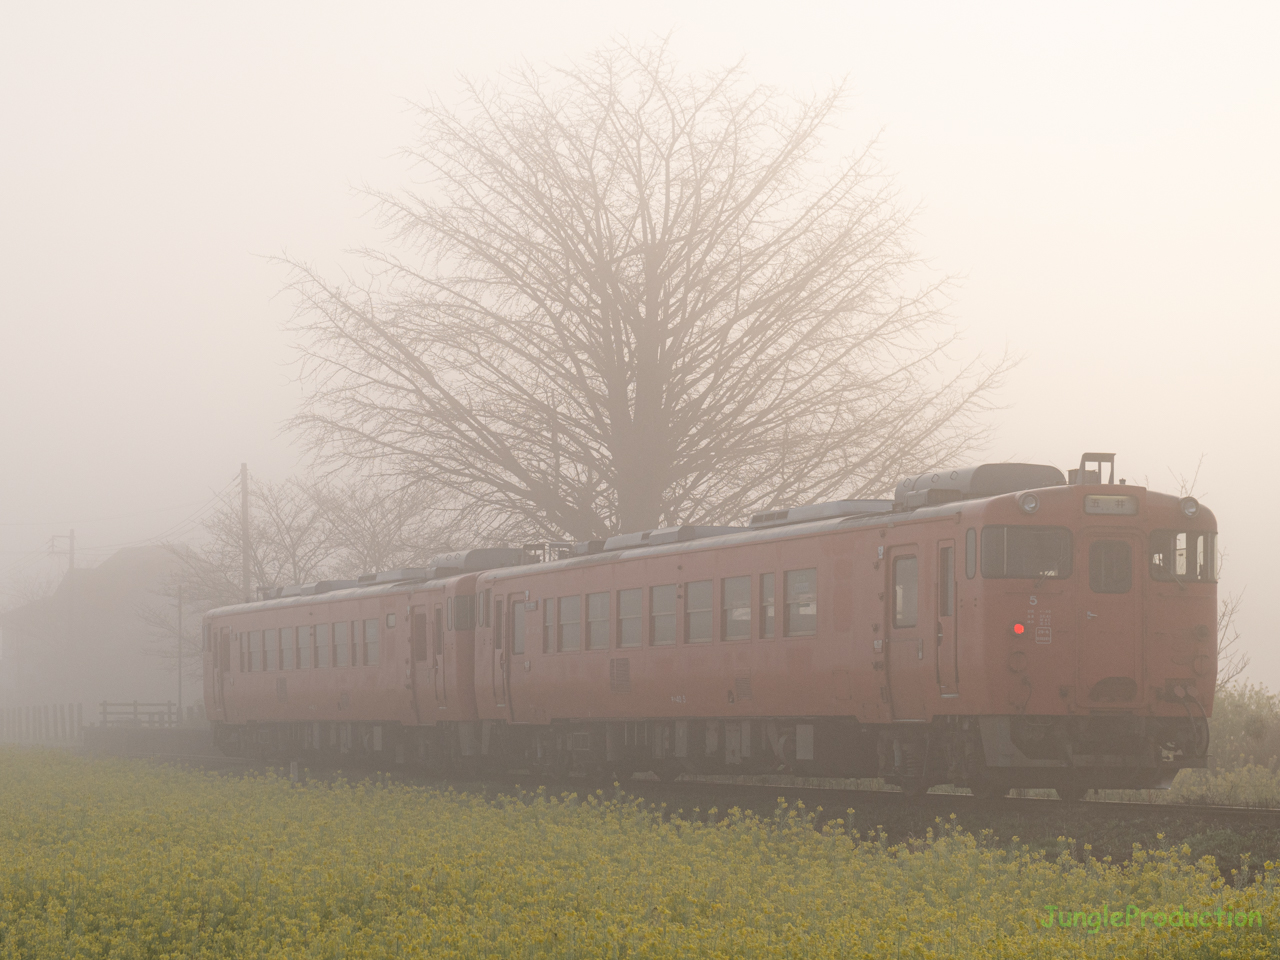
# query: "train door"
947 665
907 624
498 655
419 651
1110 651
438 691
222 666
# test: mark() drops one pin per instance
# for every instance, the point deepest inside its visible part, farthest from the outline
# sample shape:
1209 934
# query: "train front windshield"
1025 552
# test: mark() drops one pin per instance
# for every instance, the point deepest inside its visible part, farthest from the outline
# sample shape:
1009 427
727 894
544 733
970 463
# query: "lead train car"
991 627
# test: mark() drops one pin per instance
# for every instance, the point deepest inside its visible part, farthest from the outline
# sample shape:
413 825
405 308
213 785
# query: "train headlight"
1190 506
1029 503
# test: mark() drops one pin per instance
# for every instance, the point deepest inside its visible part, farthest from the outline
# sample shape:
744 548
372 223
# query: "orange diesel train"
993 627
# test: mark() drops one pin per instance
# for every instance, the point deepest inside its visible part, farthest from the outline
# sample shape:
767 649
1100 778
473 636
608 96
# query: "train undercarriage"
990 755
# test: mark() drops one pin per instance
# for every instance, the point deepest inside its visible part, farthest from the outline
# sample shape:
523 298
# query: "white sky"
1096 174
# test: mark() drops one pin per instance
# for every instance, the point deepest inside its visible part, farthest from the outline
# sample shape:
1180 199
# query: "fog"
1098 183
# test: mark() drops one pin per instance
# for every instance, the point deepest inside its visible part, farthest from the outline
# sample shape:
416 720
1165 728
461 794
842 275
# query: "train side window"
970 553
597 621
255 650
448 612
324 645
240 650
305 648
630 613
697 611
271 641
437 635
662 614
497 623
1110 566
224 650
548 623
766 606
484 607
342 644
800 615
570 636
418 633
735 608
288 648
906 591
946 582
1182 556
517 626
372 644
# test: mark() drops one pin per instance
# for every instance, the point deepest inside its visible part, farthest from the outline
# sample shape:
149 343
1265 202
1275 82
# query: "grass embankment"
121 859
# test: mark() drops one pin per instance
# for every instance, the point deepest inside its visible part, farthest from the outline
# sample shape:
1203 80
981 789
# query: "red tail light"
1019 629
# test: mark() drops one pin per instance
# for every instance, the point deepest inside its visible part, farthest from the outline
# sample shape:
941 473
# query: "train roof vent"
404 575
325 586
972 483
476 559
820 511
653 538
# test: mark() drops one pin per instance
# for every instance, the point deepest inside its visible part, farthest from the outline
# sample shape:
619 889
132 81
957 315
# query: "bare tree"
303 530
379 527
166 630
1233 660
632 297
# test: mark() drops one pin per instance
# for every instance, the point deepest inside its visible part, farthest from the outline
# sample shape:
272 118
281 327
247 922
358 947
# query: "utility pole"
244 531
179 653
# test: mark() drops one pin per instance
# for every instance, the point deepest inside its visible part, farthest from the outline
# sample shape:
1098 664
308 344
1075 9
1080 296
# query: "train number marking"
678 698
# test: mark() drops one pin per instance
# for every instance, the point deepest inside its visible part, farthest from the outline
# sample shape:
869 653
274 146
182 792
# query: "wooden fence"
49 723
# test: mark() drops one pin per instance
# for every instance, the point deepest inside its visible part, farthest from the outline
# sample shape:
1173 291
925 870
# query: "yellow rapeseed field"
123 859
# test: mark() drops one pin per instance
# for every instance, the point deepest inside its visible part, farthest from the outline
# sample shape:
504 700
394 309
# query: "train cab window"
697 611
570 636
486 600
342 644
324 645
418 633
548 623
766 606
305 648
288 648
970 553
597 621
629 617
437 634
800 615
225 650
906 591
735 608
517 626
498 636
662 614
1181 556
372 644
1030 553
1110 566
271 643
255 650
